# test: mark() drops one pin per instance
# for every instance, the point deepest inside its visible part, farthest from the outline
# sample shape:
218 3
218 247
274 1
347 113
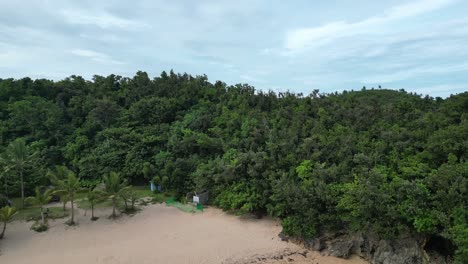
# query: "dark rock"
404 250
283 237
340 248
316 244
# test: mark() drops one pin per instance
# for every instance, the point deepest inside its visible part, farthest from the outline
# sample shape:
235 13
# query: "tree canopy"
374 160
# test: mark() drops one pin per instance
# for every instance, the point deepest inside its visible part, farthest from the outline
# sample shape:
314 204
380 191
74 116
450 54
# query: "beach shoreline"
157 234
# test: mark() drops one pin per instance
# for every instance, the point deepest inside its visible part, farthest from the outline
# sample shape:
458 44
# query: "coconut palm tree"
69 186
60 173
17 158
115 187
6 215
41 199
94 197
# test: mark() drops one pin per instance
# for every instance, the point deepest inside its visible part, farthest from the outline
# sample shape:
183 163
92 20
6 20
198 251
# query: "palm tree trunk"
126 205
92 211
22 188
6 185
113 207
3 231
42 215
72 213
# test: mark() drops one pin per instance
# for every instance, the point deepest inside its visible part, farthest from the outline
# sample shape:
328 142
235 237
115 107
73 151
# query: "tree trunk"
64 205
126 205
42 215
22 189
72 222
92 211
3 231
6 185
113 207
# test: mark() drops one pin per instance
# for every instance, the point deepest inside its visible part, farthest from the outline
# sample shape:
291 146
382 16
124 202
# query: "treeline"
381 161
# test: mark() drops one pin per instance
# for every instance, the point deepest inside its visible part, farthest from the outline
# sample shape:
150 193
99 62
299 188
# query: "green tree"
115 187
93 197
70 187
18 157
6 215
146 170
40 199
59 174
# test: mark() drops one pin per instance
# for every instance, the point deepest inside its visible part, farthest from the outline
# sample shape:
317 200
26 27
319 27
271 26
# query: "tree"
129 196
6 215
115 187
18 157
93 197
164 181
41 199
69 186
146 170
59 174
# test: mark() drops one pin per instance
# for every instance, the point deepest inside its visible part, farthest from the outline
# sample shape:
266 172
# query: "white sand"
158 234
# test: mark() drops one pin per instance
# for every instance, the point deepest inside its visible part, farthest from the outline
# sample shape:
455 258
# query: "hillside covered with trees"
376 161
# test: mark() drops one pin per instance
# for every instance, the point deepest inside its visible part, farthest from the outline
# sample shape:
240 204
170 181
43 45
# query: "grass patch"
34 213
140 192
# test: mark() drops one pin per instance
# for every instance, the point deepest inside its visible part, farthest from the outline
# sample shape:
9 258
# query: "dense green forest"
375 160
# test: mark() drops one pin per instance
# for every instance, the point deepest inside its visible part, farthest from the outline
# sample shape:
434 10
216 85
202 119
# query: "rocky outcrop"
404 250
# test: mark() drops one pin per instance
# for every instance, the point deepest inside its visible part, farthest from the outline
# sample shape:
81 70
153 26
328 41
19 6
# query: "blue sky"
420 45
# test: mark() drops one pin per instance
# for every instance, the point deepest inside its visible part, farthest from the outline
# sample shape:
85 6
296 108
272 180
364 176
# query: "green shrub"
39 227
298 227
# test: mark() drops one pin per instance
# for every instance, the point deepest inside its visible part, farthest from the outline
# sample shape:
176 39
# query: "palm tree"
41 199
6 214
129 196
60 173
114 188
18 157
93 197
69 186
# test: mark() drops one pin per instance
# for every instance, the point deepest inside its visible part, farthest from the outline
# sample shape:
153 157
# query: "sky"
420 46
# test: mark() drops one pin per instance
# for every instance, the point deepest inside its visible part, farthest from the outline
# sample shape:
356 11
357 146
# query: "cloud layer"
421 45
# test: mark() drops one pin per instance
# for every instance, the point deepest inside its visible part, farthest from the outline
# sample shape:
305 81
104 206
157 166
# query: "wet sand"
158 234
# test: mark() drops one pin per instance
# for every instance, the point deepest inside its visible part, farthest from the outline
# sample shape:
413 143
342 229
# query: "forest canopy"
374 160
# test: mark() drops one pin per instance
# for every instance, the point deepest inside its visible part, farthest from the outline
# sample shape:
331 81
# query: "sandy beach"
158 234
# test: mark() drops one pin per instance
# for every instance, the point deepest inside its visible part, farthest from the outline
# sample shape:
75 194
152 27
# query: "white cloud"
444 88
95 56
415 72
303 38
416 8
103 20
249 78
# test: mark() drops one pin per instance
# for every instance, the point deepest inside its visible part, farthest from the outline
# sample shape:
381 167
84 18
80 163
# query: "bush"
298 227
39 227
87 184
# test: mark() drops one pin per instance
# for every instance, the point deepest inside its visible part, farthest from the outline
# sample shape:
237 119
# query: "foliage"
69 186
93 197
34 214
376 160
115 188
41 199
6 215
17 156
39 227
